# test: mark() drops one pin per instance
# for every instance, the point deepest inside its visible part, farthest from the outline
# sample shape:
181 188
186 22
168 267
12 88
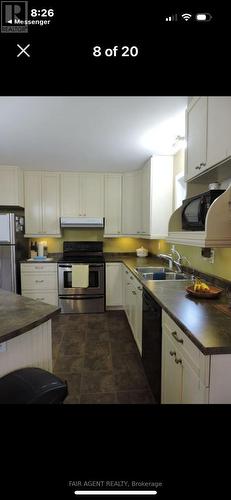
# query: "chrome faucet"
171 261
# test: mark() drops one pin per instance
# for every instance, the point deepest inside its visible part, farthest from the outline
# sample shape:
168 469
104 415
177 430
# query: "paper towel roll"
40 250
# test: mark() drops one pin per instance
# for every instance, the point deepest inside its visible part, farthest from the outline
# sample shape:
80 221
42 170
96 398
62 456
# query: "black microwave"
194 209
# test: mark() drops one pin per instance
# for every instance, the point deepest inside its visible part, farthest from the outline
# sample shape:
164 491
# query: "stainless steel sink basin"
165 274
153 270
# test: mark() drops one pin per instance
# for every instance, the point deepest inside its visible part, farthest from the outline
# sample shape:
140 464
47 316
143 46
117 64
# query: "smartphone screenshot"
115 249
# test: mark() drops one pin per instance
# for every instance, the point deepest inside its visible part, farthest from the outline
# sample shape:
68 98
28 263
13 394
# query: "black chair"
32 386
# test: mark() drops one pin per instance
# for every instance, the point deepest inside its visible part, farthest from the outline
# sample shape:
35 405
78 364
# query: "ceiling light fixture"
161 140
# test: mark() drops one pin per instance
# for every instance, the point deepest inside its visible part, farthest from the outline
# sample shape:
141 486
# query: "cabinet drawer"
37 268
39 281
47 297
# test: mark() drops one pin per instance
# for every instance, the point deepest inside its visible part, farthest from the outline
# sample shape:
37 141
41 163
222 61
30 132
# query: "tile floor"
97 355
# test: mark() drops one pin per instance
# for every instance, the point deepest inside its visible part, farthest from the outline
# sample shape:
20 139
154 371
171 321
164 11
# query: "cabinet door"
138 318
161 195
92 195
131 221
171 372
125 291
113 201
146 199
11 186
219 129
193 391
50 203
70 195
114 292
33 202
197 138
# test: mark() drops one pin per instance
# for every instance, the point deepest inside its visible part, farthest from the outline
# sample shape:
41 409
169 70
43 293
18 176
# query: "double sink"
161 273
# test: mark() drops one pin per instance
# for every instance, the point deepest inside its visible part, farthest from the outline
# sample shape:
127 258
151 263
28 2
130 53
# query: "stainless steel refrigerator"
13 248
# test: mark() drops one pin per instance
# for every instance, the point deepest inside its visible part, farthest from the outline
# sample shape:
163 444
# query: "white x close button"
23 50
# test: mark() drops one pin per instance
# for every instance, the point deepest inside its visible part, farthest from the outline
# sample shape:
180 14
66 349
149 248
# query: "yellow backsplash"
55 245
221 266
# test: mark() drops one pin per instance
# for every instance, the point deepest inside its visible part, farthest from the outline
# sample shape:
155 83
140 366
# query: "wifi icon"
186 16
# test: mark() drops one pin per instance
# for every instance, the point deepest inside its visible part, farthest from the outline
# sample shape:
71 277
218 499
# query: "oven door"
96 281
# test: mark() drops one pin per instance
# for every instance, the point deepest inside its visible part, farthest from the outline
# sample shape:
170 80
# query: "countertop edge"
28 327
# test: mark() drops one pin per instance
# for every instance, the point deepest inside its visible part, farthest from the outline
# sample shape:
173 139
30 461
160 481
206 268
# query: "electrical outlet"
3 347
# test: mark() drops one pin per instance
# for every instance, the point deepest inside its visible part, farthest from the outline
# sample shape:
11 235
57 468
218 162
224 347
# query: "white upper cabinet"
50 203
196 126
132 195
157 196
92 194
11 186
113 203
208 125
70 194
42 210
82 195
146 198
219 129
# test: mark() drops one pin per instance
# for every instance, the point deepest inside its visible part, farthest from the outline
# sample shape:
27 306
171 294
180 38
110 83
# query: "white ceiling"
81 133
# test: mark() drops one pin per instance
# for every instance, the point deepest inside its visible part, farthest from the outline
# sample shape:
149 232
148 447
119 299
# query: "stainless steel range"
82 299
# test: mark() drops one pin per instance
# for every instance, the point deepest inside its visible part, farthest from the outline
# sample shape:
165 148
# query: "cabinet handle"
39 281
131 278
172 353
140 288
202 164
177 361
126 272
134 293
40 298
174 334
198 167
39 267
118 232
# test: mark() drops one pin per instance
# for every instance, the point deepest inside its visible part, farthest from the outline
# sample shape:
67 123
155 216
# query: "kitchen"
117 205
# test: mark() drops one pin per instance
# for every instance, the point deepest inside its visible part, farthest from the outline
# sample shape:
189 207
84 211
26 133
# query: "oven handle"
90 264
80 297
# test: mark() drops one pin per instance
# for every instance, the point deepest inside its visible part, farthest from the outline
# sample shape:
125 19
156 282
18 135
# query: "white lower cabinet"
114 287
132 296
188 376
39 282
171 372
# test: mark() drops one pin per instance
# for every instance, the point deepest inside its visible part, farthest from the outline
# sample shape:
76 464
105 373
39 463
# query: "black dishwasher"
151 344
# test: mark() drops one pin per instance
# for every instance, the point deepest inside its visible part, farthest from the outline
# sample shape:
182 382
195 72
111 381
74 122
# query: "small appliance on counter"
141 252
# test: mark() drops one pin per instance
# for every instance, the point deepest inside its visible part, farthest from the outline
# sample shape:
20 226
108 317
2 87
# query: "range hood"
90 222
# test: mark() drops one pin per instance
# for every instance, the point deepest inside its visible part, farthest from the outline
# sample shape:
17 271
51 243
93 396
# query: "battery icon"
203 17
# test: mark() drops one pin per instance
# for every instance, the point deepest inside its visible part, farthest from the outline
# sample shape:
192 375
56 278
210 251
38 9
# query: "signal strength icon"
171 18
186 16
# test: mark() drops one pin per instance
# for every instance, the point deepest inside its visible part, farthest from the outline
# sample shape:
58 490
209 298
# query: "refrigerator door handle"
13 269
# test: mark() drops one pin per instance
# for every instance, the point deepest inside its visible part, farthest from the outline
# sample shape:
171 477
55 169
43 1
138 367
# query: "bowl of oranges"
201 290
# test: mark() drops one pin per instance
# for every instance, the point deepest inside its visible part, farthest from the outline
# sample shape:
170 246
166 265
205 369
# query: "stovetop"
91 259
82 252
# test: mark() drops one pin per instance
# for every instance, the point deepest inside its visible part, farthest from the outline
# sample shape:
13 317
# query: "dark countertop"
207 328
19 314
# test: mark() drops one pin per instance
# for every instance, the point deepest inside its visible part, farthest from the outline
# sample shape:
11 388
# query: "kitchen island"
25 333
